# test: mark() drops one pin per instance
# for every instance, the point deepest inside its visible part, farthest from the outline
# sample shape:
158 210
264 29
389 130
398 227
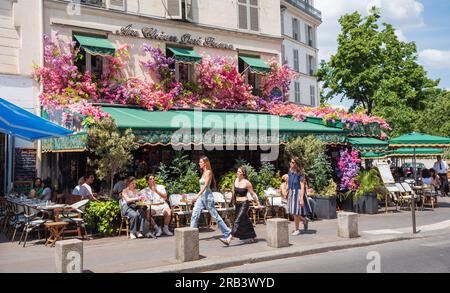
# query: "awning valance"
19 122
158 128
256 65
185 55
420 152
96 46
367 143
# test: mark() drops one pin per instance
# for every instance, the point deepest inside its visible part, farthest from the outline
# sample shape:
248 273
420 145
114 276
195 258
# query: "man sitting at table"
157 195
86 189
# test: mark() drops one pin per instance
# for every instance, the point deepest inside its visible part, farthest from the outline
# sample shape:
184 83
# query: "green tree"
111 149
435 119
376 70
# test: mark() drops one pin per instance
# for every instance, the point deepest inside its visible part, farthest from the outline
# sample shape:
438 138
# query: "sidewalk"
117 254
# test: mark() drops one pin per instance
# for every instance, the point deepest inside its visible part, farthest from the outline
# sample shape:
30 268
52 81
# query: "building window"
91 63
296 61
295 29
310 63
312 92
248 14
179 9
283 54
282 23
297 92
310 36
251 78
184 72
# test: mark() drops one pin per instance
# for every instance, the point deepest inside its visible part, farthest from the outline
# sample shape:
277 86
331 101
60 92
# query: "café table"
56 230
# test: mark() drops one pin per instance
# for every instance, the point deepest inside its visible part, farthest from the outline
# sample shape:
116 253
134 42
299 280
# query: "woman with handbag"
130 196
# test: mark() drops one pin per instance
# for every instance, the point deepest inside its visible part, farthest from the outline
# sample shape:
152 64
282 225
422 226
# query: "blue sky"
426 22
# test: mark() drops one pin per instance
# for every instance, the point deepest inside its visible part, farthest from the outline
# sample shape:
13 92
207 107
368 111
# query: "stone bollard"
69 256
348 225
186 244
277 233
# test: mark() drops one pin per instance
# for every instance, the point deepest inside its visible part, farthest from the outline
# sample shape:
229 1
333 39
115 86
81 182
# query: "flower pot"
367 204
347 204
325 207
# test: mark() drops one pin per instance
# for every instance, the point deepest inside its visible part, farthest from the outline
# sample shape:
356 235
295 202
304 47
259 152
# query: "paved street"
117 254
429 255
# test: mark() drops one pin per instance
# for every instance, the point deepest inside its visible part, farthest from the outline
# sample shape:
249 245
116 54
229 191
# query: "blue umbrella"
19 122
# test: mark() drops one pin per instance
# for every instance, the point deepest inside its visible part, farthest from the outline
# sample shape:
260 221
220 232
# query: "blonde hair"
208 167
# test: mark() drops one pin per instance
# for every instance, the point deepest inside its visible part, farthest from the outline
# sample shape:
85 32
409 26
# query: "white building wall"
290 44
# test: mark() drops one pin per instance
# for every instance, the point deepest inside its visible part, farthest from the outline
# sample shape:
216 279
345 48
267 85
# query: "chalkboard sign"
24 164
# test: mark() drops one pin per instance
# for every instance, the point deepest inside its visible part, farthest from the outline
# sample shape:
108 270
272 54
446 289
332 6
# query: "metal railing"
303 5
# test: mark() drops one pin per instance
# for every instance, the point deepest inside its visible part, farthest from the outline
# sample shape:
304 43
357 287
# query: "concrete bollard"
69 256
186 244
348 225
278 233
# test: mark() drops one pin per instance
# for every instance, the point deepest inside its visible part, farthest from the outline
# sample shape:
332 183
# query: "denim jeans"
206 201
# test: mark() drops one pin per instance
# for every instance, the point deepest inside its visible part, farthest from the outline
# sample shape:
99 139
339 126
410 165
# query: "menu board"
24 164
385 172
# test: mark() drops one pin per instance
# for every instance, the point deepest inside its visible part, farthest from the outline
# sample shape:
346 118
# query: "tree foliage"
111 149
376 70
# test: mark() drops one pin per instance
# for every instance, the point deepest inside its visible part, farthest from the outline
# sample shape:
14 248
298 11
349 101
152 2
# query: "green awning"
96 46
185 55
256 65
418 140
372 155
156 127
420 152
367 143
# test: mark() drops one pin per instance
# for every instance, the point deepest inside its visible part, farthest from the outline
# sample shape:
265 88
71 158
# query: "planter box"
347 204
325 207
367 204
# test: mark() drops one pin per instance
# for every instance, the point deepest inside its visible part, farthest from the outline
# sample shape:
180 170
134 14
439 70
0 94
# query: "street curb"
288 252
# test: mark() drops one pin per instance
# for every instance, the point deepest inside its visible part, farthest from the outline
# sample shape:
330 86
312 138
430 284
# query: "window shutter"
295 30
254 18
189 10
312 91
296 61
174 9
243 17
116 5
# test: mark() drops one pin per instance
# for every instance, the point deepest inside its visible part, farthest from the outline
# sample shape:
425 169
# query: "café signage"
185 39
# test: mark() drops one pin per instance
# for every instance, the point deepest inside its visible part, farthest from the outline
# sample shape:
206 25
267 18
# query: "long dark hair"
297 170
244 171
34 182
208 167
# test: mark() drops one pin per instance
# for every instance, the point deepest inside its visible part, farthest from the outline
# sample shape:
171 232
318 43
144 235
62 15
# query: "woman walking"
296 195
205 199
243 227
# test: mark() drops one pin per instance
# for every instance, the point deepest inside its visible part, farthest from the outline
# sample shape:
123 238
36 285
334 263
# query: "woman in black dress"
242 227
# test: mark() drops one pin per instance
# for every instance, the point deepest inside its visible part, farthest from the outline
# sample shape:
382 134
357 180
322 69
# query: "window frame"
248 7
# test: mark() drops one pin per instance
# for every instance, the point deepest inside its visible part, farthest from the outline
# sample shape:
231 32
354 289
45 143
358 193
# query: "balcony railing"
303 5
98 3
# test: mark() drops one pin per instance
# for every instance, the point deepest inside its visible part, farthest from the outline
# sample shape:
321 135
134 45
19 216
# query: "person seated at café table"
77 189
47 192
129 208
37 190
157 195
86 189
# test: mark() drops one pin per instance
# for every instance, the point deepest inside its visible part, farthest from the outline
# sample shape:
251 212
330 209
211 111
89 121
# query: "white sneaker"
158 231
132 236
296 233
139 235
167 231
150 235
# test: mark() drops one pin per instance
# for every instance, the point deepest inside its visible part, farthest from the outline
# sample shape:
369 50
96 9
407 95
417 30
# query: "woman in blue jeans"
205 199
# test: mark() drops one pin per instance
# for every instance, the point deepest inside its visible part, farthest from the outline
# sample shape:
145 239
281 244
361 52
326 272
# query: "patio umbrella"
409 152
418 140
19 122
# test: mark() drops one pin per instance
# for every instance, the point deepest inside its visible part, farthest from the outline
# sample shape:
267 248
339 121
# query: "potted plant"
365 197
326 202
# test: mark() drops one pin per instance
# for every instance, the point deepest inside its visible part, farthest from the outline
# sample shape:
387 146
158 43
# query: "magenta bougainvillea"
348 170
217 85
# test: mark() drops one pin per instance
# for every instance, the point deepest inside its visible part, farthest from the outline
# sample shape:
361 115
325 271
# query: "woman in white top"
130 196
47 193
